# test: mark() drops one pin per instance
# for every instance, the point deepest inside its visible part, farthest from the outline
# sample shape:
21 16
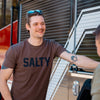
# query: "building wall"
5 12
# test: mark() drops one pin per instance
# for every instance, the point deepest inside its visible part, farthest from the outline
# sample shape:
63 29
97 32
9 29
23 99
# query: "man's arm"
80 60
4 76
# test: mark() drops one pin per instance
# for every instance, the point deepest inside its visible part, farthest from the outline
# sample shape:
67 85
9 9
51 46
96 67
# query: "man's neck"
35 42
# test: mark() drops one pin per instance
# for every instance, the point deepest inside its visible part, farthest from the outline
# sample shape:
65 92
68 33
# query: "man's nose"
40 26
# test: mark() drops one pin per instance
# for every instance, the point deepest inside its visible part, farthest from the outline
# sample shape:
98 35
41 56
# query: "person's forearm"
85 62
80 60
5 90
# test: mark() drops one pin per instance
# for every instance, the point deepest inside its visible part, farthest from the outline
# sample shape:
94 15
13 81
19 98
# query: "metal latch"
76 88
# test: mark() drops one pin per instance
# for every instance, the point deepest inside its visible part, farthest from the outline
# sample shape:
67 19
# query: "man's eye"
35 24
42 23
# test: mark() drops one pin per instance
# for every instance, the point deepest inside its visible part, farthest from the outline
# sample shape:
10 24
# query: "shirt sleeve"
10 59
58 49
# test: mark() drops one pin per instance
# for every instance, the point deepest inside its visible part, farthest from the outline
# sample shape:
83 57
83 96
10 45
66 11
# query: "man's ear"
27 26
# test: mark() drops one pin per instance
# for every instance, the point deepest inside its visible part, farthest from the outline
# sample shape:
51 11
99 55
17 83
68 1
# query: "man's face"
98 46
37 27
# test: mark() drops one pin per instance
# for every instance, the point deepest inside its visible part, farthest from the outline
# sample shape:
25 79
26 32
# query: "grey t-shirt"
95 89
32 68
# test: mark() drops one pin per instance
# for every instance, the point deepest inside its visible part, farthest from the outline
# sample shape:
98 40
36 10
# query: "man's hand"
4 76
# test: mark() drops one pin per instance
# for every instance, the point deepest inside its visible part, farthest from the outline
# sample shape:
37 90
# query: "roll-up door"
57 17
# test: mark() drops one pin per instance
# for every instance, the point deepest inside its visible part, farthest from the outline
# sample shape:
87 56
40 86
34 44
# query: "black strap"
85 93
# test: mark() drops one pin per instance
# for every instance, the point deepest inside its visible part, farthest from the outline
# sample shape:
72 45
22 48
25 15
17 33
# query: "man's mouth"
41 31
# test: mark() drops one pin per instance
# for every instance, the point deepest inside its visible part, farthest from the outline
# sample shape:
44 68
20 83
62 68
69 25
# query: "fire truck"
69 22
6 39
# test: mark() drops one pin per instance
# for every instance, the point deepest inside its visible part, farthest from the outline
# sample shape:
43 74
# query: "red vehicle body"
5 38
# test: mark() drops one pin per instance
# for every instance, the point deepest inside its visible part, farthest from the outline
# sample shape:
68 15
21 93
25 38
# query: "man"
95 91
31 61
